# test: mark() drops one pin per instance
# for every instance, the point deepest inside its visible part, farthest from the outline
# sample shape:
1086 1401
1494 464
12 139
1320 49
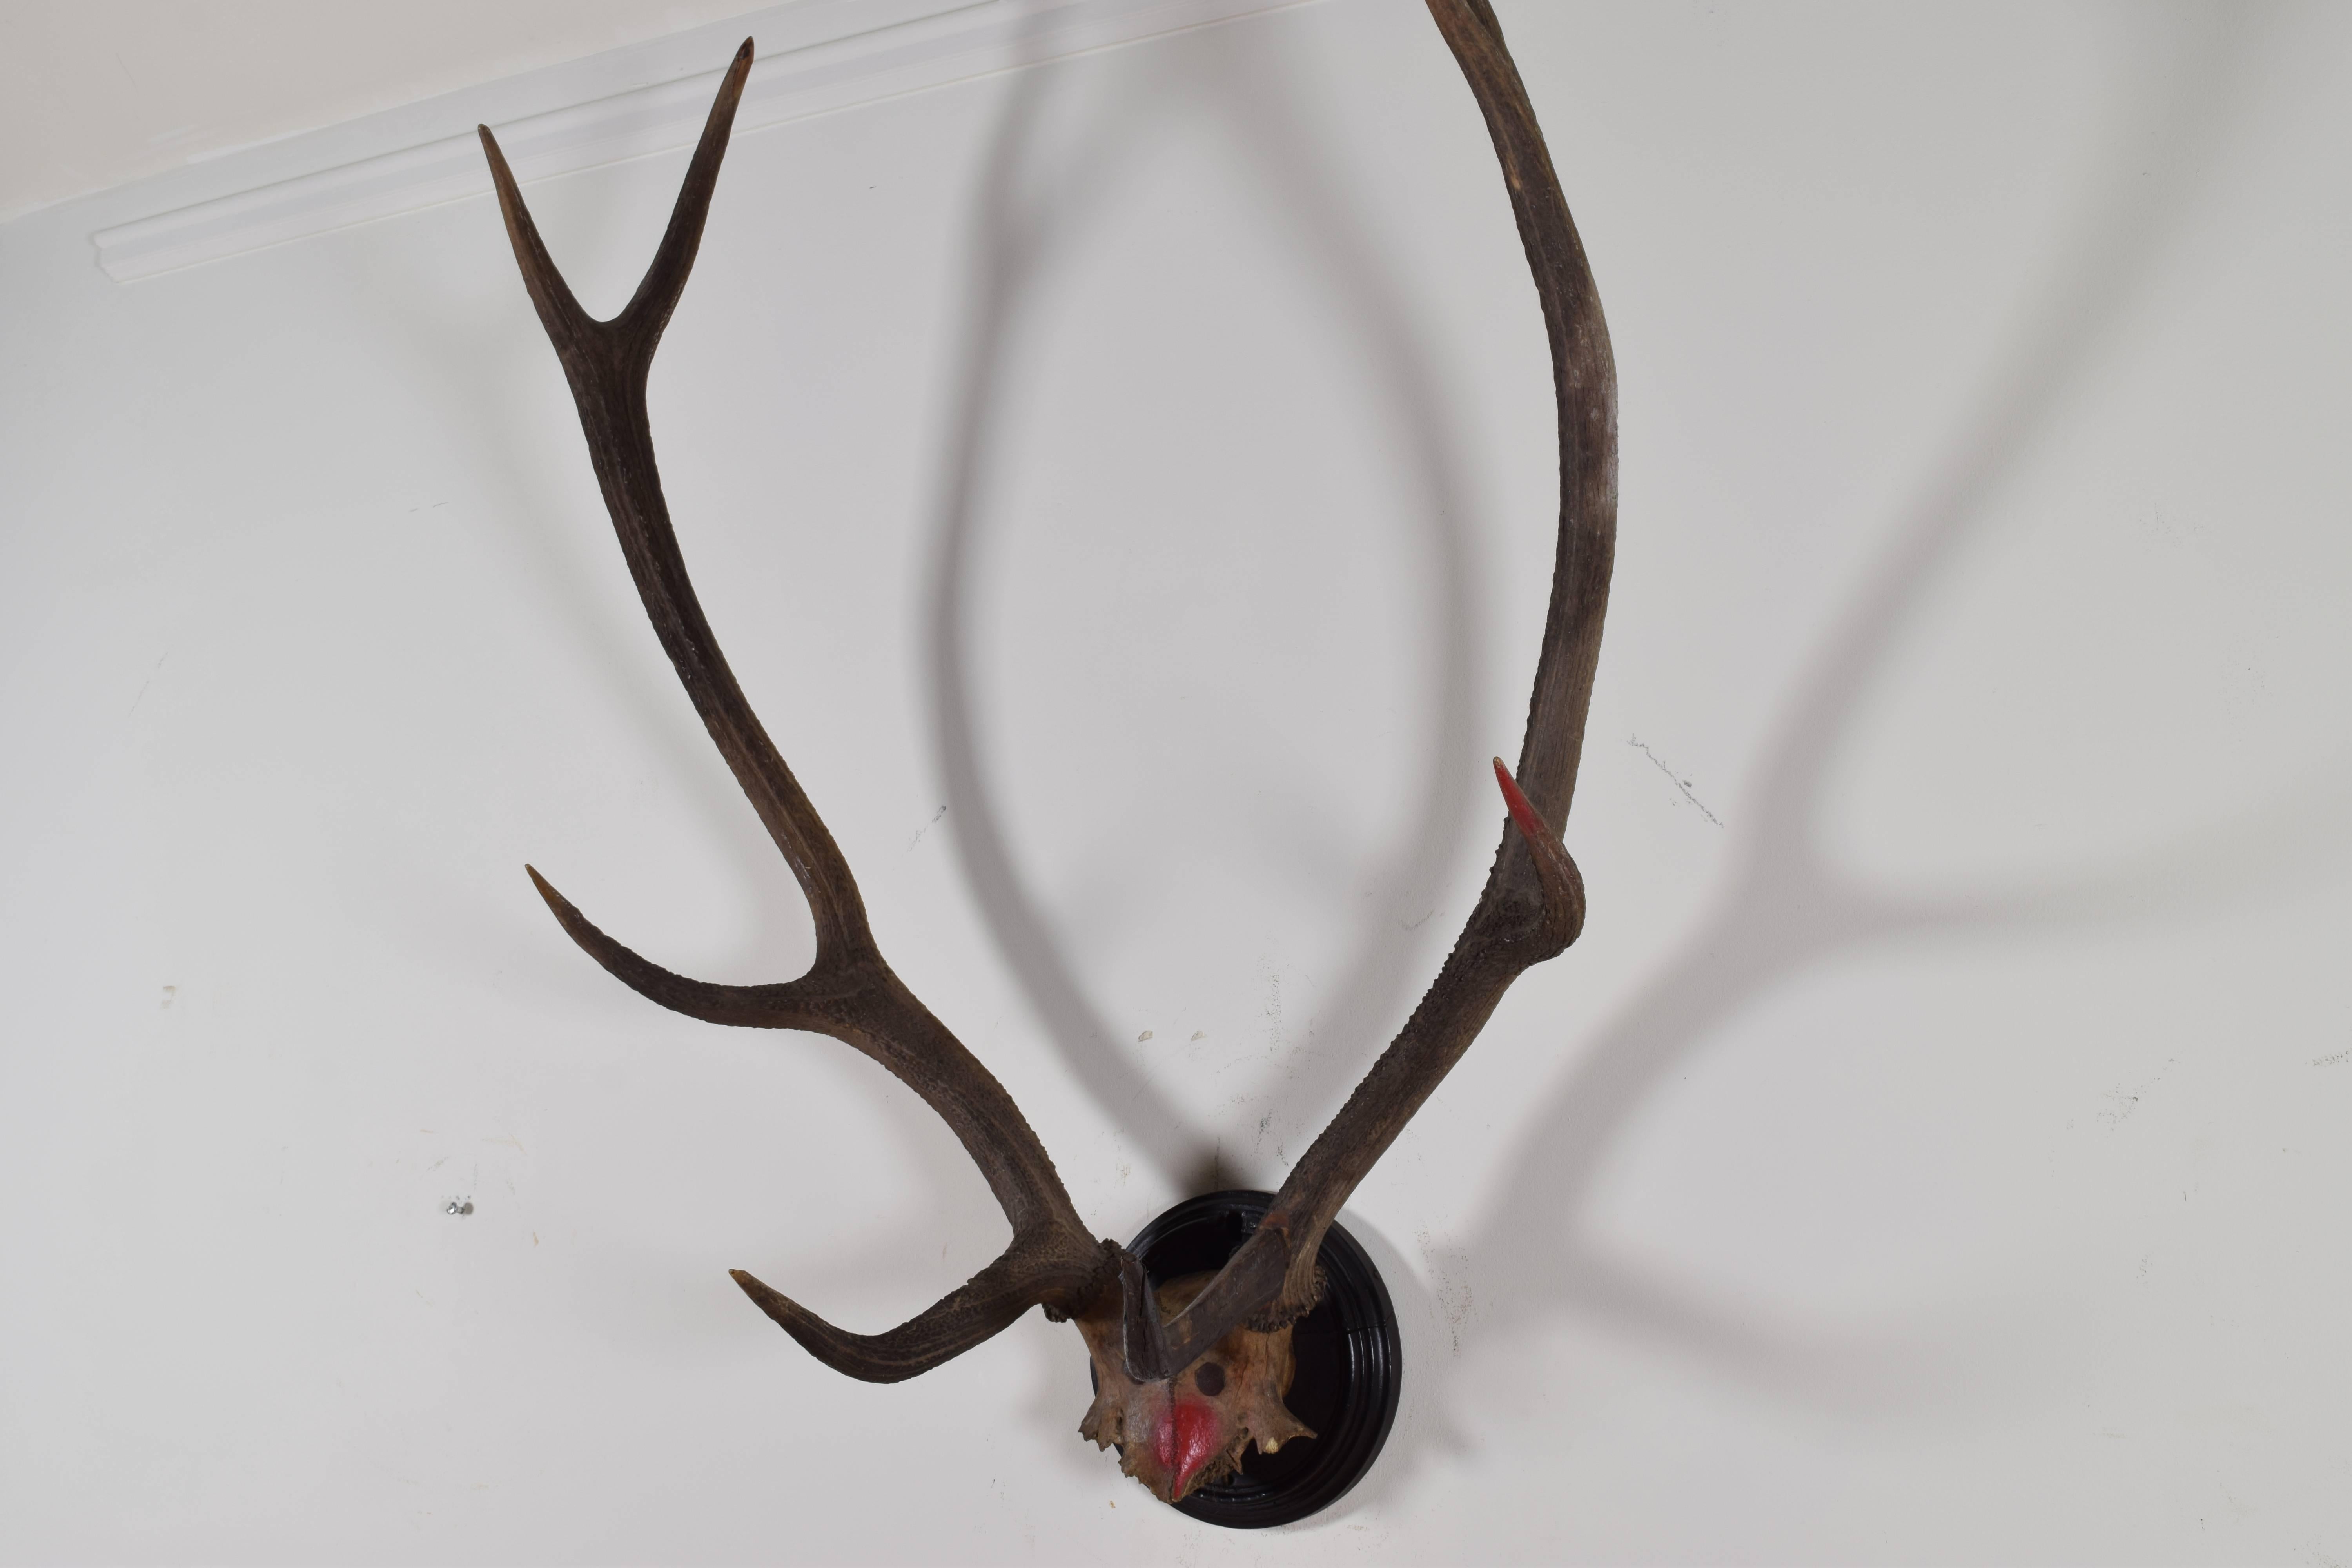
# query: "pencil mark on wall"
144 685
2123 1101
1680 784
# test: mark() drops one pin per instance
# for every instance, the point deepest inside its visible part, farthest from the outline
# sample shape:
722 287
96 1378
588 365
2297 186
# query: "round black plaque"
1350 1364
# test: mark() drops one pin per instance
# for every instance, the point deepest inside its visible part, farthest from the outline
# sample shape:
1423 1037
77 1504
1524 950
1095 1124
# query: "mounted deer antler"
1231 1330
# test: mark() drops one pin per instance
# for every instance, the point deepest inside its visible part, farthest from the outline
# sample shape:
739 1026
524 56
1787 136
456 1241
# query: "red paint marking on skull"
1186 1440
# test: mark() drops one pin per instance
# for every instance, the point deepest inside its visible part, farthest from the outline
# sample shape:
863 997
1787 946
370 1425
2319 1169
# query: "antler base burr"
1347 1359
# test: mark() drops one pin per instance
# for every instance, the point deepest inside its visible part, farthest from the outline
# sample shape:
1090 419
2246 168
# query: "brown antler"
849 992
1533 905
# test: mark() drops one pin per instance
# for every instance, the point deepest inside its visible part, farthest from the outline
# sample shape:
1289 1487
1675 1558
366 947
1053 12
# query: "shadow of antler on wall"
1789 908
1030 218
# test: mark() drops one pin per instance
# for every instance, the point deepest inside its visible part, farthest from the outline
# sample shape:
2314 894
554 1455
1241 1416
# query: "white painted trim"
828 55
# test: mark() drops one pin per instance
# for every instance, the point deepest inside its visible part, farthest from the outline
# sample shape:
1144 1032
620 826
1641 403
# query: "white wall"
96 92
1935 1149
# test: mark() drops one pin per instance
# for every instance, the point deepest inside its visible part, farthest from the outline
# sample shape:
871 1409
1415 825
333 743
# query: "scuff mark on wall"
1680 782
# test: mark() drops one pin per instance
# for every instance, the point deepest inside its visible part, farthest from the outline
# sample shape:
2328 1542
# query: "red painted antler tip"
1522 811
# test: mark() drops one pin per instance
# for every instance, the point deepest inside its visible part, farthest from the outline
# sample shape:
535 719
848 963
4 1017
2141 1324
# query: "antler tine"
606 364
976 1312
1533 905
648 310
849 992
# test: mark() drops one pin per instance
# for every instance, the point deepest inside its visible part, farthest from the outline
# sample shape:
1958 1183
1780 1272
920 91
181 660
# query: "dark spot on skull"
1211 1378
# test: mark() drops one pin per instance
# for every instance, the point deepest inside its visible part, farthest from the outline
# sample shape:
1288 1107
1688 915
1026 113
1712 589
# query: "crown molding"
821 55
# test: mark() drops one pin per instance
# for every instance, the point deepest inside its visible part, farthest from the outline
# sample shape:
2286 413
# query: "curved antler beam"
849 992
1140 1338
1533 905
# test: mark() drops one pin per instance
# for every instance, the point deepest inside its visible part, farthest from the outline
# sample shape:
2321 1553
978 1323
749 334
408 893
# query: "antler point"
1523 812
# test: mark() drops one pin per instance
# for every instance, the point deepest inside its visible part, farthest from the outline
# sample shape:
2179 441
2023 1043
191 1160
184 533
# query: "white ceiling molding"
815 57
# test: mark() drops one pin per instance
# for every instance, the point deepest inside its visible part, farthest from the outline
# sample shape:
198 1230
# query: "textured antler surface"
849 992
1533 905
1172 1433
